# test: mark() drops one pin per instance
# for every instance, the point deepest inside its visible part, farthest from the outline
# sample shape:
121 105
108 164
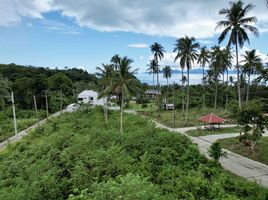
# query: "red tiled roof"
211 119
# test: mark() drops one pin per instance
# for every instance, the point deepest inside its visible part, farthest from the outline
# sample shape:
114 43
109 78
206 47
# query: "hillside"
76 156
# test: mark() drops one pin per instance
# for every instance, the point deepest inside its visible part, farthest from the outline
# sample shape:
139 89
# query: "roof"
211 119
153 92
88 92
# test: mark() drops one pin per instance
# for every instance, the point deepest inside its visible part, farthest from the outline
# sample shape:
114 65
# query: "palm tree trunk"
187 101
153 78
121 112
238 76
182 91
204 97
227 91
157 79
248 89
216 94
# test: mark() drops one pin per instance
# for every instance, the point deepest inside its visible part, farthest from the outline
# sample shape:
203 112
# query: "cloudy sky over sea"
86 33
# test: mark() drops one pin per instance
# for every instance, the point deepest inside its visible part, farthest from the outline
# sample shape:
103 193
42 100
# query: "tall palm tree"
115 61
105 74
125 84
203 59
227 64
251 63
237 24
158 53
153 68
187 52
167 73
216 69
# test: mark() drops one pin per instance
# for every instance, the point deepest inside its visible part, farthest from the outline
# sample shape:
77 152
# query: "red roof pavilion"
212 119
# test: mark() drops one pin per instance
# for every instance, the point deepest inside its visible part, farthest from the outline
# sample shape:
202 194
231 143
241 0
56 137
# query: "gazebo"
211 119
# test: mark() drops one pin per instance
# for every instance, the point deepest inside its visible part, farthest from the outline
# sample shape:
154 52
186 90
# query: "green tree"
187 52
237 23
153 68
251 63
4 91
158 53
215 70
125 84
216 152
115 61
204 59
253 124
60 81
106 75
167 73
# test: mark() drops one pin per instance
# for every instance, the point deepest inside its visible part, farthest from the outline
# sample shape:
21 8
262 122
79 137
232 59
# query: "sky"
87 33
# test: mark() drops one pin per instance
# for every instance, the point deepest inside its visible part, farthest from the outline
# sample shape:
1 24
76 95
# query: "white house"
90 97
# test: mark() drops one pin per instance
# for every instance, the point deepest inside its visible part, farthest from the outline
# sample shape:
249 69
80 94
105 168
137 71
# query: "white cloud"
51 25
11 11
163 18
138 45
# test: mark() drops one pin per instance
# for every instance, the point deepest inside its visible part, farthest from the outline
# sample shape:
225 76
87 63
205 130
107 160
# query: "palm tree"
115 61
227 64
216 70
105 74
251 63
158 53
203 59
237 24
153 68
125 84
167 73
187 52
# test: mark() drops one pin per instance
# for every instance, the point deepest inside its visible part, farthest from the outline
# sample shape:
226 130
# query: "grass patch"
166 117
203 132
260 154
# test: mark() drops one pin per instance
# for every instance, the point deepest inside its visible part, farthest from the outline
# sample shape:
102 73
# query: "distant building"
168 106
90 97
152 94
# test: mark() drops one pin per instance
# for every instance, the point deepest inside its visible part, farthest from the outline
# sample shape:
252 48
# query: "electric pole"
35 107
61 101
174 105
14 113
46 103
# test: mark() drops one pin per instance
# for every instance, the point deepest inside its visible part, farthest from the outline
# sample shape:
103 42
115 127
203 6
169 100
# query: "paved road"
237 164
21 134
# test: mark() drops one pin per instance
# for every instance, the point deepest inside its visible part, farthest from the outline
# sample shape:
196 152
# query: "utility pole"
35 107
46 103
14 114
174 105
61 101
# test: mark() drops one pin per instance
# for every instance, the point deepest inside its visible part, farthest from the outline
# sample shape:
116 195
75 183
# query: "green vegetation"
216 152
25 118
203 132
259 154
77 156
166 117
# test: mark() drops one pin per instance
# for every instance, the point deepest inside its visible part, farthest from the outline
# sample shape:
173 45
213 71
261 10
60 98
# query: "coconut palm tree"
167 73
237 23
203 59
153 68
115 61
186 49
227 64
125 84
251 63
215 70
158 53
105 75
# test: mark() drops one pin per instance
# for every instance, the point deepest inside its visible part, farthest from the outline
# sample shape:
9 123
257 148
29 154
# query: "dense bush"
76 156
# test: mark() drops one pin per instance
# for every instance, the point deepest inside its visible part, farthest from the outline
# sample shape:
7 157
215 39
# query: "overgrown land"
76 156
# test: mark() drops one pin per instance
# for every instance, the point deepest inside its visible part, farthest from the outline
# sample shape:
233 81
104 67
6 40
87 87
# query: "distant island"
192 71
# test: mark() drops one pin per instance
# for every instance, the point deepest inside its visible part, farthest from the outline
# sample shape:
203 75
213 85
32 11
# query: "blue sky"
59 33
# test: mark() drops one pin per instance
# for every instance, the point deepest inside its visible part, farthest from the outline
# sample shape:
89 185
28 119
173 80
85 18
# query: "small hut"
211 120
